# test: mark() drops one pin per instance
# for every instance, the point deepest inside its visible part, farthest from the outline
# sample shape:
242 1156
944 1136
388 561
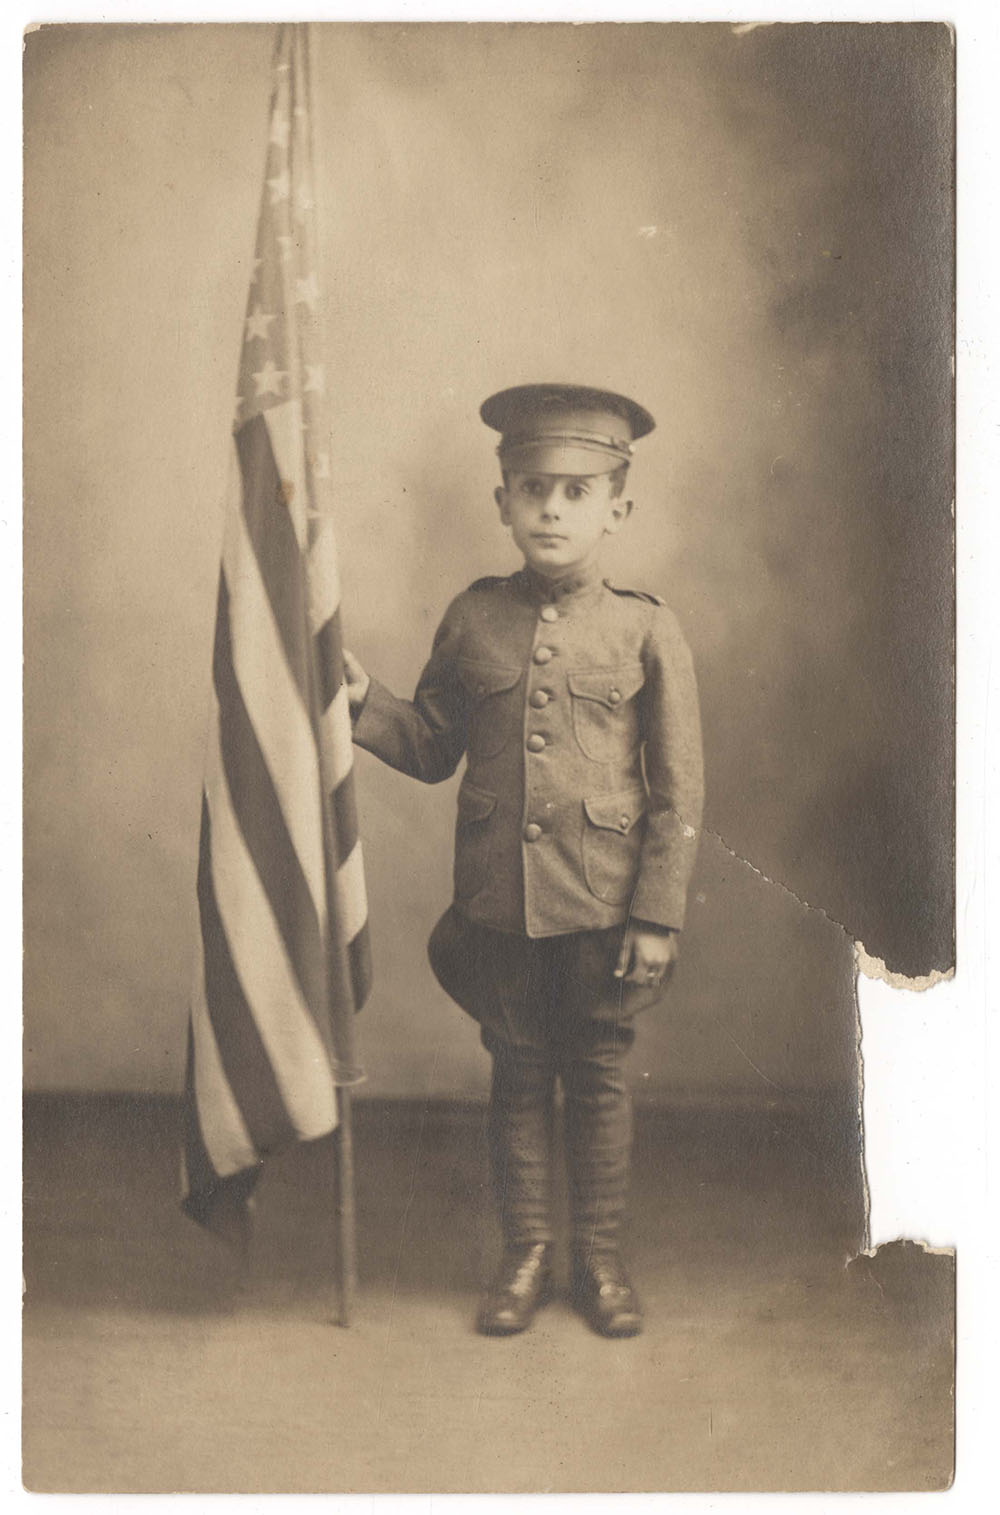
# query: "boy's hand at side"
648 954
356 681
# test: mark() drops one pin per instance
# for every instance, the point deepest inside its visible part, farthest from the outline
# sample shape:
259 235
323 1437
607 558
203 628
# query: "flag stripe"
275 708
258 810
297 1044
241 1052
330 657
227 1143
336 739
359 956
344 808
198 1171
324 575
274 542
284 427
349 905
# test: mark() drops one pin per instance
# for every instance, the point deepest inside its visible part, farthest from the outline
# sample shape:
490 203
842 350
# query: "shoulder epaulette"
490 581
638 594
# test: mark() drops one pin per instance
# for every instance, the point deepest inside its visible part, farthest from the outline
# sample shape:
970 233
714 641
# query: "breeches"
550 1012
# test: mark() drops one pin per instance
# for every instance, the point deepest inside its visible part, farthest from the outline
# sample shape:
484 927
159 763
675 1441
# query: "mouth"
547 538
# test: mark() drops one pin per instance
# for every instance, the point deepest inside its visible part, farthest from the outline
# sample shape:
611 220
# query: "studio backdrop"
750 231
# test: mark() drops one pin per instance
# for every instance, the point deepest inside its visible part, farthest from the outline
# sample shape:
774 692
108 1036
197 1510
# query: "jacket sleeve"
674 778
424 737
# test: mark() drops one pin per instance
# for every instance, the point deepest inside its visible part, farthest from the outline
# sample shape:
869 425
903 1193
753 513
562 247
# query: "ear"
500 495
618 513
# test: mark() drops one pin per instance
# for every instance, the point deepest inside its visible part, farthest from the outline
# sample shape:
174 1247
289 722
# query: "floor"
154 1361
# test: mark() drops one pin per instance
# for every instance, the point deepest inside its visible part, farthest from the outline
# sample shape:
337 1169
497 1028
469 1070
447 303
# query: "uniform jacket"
576 709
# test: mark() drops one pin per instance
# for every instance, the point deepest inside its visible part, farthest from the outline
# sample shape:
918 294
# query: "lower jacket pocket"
613 829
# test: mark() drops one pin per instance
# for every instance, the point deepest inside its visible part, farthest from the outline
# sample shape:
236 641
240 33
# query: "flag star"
306 291
300 111
268 379
286 244
279 187
315 378
257 323
280 127
321 465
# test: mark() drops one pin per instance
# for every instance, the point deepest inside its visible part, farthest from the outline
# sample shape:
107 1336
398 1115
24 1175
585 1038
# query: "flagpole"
344 1208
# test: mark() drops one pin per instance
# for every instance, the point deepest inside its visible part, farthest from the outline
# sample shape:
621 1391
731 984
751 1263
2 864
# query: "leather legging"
597 1126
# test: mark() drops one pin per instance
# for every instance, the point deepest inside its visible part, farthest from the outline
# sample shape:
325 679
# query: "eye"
575 491
532 487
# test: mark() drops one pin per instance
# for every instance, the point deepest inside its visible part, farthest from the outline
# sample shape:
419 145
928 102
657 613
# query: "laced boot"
523 1284
602 1292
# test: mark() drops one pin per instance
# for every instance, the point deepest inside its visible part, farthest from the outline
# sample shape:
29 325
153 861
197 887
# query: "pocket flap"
474 804
608 686
616 812
483 679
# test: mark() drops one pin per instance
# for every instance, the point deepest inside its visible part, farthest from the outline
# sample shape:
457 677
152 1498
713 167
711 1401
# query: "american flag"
283 959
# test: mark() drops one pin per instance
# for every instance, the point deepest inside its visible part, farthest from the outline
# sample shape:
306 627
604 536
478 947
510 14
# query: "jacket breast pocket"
613 829
495 713
606 711
473 839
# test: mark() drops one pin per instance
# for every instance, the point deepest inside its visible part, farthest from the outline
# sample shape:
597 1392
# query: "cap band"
566 439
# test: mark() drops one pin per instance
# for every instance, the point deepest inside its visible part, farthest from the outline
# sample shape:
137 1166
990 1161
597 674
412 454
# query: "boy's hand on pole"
647 956
356 681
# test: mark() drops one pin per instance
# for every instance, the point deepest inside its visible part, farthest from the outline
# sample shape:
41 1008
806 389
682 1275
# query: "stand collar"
543 591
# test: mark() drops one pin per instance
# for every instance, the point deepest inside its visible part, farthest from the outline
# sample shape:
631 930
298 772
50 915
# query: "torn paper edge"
874 967
910 1241
910 1035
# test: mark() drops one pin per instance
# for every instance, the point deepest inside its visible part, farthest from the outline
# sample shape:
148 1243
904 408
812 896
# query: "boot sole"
499 1328
629 1324
629 1328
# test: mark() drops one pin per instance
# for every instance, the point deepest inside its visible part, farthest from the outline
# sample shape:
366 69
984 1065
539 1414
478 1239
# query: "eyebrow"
574 478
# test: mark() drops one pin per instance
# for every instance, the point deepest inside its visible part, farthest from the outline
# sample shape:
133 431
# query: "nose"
551 503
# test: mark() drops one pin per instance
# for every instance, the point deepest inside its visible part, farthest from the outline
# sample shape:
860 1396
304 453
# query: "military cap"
564 428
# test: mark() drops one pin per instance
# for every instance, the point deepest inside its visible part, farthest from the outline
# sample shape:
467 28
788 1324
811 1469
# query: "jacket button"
538 699
549 613
532 832
536 742
543 654
623 822
614 696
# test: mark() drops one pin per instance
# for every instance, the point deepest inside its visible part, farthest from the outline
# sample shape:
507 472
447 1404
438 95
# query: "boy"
574 703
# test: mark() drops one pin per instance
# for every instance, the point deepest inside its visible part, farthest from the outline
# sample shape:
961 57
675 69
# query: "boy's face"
559 520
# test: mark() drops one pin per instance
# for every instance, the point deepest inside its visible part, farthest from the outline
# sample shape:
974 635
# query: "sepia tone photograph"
489 678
